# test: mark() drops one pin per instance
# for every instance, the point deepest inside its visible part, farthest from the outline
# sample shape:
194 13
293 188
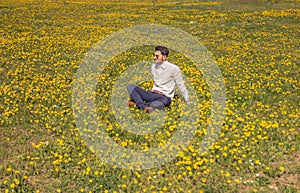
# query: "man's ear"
164 57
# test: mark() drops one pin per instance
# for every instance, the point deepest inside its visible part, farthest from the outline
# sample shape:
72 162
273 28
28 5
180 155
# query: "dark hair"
163 50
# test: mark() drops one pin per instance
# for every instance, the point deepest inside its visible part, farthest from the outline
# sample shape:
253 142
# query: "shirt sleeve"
180 83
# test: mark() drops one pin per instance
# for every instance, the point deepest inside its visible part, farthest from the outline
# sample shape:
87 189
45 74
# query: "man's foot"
131 103
148 109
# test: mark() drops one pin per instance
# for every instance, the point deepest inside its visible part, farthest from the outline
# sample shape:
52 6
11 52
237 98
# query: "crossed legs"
145 99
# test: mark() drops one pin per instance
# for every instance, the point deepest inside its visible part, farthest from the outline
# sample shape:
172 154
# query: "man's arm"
180 84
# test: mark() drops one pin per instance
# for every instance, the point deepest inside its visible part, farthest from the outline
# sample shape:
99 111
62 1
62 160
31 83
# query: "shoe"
148 109
131 103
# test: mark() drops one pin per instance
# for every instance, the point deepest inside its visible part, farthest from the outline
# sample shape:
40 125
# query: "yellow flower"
16 181
281 168
12 185
227 174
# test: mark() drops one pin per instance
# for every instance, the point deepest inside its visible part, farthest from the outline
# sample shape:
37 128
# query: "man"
166 76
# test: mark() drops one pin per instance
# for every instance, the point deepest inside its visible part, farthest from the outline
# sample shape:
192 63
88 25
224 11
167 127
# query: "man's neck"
160 63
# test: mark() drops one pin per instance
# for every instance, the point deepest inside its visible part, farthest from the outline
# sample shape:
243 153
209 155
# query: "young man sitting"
166 76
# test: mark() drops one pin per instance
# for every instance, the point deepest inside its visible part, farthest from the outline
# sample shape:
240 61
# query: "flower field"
255 45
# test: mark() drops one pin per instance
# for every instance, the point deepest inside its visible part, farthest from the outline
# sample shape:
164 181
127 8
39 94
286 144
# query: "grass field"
254 43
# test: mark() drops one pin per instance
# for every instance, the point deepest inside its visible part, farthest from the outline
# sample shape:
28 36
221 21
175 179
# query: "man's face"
159 58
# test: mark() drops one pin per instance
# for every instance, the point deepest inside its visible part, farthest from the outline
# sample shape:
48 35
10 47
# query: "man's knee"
130 88
157 105
166 101
161 104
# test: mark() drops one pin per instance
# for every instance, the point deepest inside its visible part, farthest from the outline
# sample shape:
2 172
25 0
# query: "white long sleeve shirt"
166 76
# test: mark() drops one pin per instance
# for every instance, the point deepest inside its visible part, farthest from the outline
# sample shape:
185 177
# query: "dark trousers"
144 98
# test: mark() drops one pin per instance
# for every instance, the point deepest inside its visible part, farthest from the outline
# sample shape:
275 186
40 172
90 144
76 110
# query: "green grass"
255 44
